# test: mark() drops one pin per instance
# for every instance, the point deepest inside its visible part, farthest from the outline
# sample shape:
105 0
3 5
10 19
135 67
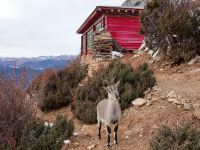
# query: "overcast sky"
30 28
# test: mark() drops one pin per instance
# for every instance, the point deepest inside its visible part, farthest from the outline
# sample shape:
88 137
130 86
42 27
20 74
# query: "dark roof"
98 11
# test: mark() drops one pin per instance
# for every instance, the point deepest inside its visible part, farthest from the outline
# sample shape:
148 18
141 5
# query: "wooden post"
82 45
104 22
86 43
94 28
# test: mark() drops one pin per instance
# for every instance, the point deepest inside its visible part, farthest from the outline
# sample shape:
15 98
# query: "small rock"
139 102
194 60
178 106
91 147
163 97
151 52
149 96
178 102
171 99
140 136
149 103
76 144
175 101
172 95
147 91
76 134
197 112
155 88
187 106
66 142
127 137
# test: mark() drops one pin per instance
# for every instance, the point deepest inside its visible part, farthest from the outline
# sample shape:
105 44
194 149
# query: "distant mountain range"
10 67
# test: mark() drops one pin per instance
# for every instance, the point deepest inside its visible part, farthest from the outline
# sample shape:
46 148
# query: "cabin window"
98 26
89 39
84 42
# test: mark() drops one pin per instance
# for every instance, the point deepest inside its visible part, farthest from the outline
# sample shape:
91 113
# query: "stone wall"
93 64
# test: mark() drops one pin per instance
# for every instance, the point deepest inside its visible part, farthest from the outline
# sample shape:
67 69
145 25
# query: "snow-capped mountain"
41 62
35 65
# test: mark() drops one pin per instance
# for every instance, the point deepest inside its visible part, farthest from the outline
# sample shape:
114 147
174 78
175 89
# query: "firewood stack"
103 45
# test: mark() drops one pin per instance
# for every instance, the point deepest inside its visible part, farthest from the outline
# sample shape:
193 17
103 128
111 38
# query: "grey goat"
109 112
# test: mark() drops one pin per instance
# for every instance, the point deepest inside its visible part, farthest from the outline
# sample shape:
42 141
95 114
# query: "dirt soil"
139 124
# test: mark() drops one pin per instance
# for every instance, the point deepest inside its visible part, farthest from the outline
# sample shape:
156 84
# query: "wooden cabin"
121 22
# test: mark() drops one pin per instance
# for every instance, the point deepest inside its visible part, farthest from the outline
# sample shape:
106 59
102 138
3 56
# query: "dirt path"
186 83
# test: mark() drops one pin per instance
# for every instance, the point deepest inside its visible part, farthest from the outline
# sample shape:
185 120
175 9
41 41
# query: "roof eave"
79 31
97 12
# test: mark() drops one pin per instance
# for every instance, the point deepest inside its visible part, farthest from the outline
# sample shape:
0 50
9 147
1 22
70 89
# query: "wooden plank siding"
125 30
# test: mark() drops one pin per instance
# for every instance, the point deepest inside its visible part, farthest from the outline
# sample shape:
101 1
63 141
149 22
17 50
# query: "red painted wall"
125 30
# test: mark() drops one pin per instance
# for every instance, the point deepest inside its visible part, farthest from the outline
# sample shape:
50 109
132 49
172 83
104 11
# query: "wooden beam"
86 43
104 22
82 45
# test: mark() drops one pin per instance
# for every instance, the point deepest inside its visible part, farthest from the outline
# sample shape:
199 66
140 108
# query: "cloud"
44 27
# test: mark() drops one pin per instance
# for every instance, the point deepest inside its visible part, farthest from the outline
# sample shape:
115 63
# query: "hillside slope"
139 124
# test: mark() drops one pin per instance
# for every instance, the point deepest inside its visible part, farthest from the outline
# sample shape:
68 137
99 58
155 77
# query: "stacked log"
102 45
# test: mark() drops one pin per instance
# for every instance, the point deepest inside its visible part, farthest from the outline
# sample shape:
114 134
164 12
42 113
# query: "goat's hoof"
99 140
115 142
108 145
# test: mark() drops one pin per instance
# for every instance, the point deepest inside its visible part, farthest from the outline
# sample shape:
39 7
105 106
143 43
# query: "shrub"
15 112
182 138
60 87
38 137
132 85
85 111
173 28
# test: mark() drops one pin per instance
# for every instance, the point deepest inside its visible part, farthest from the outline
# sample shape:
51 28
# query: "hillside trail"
140 124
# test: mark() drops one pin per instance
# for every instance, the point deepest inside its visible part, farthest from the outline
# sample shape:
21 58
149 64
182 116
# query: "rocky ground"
173 101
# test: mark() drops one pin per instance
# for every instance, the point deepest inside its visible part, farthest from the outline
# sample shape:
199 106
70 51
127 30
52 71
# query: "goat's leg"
109 132
99 129
115 133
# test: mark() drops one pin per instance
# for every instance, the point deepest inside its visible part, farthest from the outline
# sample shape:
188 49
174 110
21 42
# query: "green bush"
182 138
36 136
172 27
133 82
60 87
85 111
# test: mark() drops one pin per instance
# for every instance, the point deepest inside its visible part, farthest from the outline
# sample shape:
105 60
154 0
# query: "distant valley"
15 67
